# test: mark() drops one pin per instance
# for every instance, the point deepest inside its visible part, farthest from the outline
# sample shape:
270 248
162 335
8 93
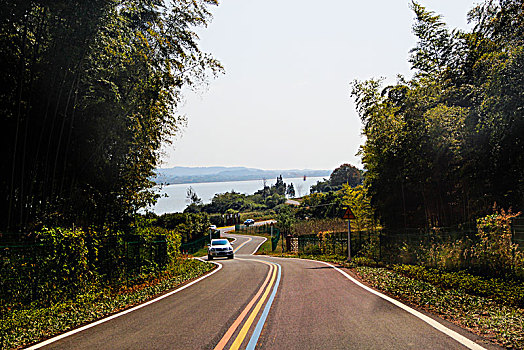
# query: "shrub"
364 261
63 268
495 253
312 249
451 255
502 291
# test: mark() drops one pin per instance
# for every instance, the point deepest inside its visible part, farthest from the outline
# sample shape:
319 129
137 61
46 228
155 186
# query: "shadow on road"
323 267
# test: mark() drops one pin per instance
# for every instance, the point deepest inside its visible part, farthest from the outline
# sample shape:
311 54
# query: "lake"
176 194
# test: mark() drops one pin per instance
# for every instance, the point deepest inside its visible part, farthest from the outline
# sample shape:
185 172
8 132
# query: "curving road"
272 303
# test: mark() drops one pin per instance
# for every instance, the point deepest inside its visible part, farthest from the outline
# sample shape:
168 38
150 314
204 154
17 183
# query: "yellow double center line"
244 243
247 325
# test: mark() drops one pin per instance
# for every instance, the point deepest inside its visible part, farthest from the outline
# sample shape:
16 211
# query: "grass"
503 324
33 323
200 253
265 248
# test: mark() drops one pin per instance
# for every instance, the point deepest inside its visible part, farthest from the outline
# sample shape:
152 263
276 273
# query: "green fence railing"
28 265
517 229
275 237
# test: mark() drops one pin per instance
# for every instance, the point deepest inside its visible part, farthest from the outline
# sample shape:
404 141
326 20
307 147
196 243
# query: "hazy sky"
284 100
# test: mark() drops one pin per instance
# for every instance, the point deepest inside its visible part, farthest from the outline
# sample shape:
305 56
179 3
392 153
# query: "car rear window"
220 242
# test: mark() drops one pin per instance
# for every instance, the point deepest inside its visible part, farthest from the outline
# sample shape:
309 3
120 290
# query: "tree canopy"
446 145
345 174
88 95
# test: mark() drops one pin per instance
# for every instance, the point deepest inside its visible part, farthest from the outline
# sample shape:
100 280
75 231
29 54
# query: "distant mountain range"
183 175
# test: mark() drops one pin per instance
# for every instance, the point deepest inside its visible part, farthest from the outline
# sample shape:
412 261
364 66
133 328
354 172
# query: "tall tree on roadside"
91 99
442 147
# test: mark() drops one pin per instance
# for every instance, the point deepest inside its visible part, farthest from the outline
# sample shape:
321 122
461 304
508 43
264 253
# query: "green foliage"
88 95
58 264
63 269
495 251
500 323
321 206
290 192
189 226
444 146
223 203
364 261
192 197
173 241
286 219
321 186
280 186
433 51
331 205
502 291
358 200
23 326
447 255
346 174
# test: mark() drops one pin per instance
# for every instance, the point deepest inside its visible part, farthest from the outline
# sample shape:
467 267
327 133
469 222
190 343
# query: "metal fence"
394 245
517 229
334 243
31 267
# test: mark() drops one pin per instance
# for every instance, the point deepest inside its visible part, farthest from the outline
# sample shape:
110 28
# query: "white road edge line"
458 337
258 246
253 253
96 323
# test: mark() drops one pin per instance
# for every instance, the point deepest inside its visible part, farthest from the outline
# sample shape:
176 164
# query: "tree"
290 192
286 218
321 205
321 186
91 98
433 51
280 186
358 200
345 174
442 147
192 197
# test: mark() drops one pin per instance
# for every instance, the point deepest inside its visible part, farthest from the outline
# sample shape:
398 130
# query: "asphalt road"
232 228
271 303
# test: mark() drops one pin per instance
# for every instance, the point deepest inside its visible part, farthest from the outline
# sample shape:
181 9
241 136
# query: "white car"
213 227
218 248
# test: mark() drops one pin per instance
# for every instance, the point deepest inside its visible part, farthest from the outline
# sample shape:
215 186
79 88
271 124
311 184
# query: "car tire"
231 257
209 257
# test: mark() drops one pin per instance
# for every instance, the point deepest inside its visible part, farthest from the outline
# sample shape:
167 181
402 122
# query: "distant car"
213 227
249 222
219 248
